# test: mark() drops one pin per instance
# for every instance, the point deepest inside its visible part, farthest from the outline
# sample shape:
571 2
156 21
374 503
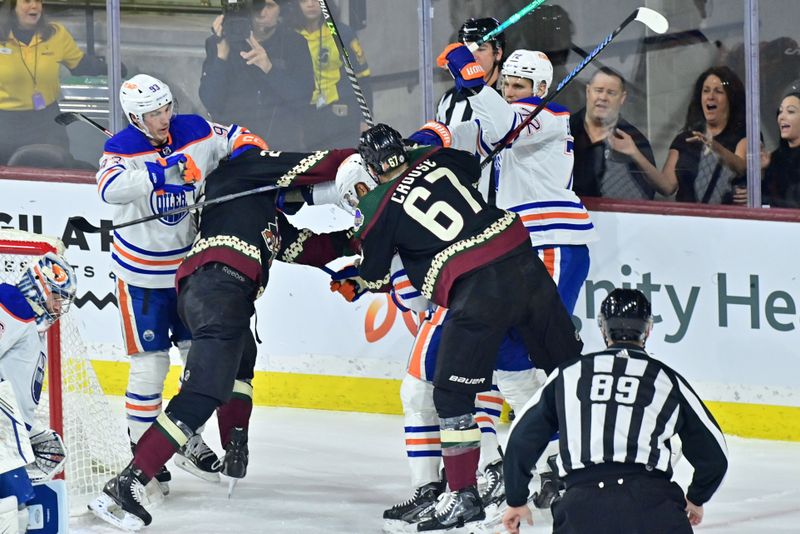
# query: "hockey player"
42 295
453 107
616 411
226 269
156 164
471 258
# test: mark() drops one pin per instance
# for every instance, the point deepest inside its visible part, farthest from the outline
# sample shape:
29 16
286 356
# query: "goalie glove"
467 72
346 282
49 455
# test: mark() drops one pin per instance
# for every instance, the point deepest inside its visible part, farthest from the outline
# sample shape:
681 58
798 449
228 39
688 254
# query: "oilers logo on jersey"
167 202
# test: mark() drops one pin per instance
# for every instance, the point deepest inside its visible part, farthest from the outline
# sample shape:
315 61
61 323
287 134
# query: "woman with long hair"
32 50
781 186
708 156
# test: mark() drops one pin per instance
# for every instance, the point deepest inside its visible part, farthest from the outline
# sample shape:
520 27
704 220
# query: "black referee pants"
624 504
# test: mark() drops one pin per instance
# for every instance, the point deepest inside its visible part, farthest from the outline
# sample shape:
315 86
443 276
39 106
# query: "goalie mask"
49 286
531 65
352 178
381 149
143 94
625 315
473 29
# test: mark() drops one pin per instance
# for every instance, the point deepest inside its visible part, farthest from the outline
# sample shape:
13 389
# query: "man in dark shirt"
265 81
613 159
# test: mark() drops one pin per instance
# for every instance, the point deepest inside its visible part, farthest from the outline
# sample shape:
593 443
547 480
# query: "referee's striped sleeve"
529 435
703 445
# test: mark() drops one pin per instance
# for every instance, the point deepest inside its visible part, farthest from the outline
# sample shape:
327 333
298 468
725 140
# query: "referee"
615 412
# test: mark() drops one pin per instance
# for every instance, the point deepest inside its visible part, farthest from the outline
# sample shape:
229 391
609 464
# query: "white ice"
333 472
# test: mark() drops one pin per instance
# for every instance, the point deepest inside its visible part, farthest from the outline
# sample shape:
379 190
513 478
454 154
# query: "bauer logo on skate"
167 202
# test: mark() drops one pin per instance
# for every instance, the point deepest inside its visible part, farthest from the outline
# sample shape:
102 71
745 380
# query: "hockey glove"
174 168
467 72
49 455
432 134
347 282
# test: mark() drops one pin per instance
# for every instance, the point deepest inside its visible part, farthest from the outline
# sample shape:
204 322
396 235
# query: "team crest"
167 202
272 239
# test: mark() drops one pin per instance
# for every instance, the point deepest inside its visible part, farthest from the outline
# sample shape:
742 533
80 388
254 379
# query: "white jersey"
534 173
23 359
148 254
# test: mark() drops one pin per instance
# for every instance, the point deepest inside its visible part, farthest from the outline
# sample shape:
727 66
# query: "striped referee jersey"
616 407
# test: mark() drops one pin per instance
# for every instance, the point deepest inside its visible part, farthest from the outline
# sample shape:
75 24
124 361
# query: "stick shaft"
568 78
513 19
348 66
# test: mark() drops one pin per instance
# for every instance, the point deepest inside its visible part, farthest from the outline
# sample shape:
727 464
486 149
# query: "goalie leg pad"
8 515
17 483
423 441
143 403
48 512
519 386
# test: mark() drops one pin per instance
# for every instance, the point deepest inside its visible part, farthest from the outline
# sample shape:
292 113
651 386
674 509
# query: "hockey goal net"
73 403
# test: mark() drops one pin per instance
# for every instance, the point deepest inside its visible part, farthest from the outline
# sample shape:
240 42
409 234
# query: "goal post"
74 405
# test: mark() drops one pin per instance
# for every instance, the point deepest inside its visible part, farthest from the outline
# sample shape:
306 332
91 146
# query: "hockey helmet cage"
531 65
49 285
473 29
382 149
351 173
625 315
141 94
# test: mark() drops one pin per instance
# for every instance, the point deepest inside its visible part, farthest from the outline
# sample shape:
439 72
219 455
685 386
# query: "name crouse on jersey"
534 172
22 353
148 254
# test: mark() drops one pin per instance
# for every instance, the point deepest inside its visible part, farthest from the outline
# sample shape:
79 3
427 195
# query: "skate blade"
191 468
154 493
231 485
105 508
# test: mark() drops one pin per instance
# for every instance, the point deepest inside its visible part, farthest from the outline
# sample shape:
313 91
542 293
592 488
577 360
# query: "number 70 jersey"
436 221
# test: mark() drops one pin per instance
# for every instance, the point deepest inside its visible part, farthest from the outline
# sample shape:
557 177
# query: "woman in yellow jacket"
31 52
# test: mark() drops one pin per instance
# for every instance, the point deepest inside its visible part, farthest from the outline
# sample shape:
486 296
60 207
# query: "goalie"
27 310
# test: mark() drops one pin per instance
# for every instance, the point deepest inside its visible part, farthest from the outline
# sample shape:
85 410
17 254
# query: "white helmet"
531 65
350 173
142 94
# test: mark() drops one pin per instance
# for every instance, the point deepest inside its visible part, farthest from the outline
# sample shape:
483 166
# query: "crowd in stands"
282 75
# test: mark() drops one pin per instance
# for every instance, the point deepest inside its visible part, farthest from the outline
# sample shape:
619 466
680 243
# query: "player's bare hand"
622 142
513 517
223 49
257 55
694 512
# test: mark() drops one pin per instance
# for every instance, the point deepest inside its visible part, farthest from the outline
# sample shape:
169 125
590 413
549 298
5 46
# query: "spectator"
781 186
612 157
335 119
31 52
265 82
709 154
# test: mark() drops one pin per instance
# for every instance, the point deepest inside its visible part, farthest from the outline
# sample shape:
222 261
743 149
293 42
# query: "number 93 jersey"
436 221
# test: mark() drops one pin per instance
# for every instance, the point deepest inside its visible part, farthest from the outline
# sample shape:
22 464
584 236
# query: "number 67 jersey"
436 221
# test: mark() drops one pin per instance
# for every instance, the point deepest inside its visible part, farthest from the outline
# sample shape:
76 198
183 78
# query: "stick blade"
652 19
65 119
82 225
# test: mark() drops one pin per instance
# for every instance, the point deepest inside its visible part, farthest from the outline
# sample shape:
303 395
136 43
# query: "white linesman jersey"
22 355
148 254
535 171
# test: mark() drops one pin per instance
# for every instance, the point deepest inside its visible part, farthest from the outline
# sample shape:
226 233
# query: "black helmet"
625 315
381 149
474 29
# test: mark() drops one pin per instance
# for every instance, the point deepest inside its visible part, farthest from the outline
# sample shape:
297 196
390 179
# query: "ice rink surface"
333 472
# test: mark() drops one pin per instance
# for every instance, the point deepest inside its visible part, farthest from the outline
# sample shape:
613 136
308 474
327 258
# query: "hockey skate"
552 486
493 490
455 510
234 463
198 459
419 507
120 504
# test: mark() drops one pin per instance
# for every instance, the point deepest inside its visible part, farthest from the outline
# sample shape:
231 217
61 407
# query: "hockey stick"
348 66
650 18
79 223
68 117
513 19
